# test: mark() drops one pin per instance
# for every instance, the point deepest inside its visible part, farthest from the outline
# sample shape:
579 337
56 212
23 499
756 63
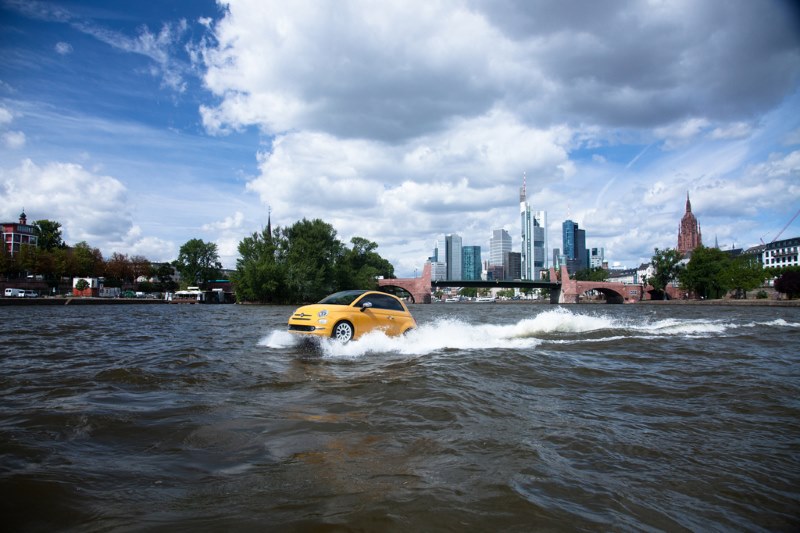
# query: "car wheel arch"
340 331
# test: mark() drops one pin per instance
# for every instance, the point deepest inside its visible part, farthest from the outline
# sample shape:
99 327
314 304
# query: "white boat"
485 299
192 295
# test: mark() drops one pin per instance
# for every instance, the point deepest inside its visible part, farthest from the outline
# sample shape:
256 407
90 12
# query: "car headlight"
323 313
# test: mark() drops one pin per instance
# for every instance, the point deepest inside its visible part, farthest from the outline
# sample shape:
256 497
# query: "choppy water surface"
488 417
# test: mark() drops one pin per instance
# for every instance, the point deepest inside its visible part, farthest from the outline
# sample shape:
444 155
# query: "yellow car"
347 315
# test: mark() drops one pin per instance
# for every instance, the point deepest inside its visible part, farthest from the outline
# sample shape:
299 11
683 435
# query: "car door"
385 312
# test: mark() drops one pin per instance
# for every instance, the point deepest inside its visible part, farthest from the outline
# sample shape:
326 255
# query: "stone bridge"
419 288
615 293
563 290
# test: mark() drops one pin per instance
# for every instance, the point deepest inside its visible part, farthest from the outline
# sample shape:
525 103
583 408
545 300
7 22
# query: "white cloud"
5 116
736 130
407 69
152 248
90 207
63 48
14 139
678 134
416 189
229 223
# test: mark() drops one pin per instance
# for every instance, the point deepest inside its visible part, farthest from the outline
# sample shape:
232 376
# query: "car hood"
312 311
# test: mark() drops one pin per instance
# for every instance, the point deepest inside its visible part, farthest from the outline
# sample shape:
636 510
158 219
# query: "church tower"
689 236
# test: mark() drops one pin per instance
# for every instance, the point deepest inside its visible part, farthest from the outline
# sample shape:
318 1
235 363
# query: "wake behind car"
347 315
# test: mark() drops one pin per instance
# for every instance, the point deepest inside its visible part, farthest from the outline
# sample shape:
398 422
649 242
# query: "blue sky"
139 127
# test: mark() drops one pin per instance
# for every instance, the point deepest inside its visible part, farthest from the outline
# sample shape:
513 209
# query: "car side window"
382 301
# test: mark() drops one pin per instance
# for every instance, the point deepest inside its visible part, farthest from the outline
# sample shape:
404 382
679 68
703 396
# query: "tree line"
304 263
299 263
52 261
711 273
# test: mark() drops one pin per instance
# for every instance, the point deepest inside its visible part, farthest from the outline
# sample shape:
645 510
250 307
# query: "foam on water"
558 325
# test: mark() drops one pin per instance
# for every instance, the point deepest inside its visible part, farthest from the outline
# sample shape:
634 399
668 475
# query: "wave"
555 326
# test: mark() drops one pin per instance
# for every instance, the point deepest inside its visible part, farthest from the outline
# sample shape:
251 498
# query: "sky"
141 125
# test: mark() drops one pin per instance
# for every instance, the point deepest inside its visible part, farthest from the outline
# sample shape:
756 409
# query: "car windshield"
341 298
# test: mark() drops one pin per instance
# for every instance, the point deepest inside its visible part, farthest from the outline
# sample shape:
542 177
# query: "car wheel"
343 332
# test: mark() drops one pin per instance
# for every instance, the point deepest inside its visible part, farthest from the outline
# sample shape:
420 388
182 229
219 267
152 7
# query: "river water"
488 417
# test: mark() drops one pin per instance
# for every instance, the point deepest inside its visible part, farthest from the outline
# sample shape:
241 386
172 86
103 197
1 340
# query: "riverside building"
16 235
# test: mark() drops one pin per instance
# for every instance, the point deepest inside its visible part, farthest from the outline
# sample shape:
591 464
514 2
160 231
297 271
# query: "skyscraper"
512 268
499 244
574 243
471 262
448 251
533 251
568 229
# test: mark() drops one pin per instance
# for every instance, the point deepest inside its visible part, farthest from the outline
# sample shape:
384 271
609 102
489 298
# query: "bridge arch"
418 288
613 296
616 293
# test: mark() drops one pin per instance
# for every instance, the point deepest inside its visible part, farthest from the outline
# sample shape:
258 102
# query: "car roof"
355 294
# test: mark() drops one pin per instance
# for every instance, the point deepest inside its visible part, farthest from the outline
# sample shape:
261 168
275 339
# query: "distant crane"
786 226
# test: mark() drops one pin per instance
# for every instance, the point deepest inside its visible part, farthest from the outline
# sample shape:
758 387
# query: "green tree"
360 266
164 273
591 274
745 273
311 253
666 264
48 233
5 261
260 276
789 283
85 261
304 263
705 274
468 292
198 262
27 259
118 270
140 266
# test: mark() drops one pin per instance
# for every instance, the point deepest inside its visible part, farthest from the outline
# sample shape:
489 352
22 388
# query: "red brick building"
689 236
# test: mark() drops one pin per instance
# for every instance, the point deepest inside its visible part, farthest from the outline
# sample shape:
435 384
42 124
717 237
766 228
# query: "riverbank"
743 303
77 301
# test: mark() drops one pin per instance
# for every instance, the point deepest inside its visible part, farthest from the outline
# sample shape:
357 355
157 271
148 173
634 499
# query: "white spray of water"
558 325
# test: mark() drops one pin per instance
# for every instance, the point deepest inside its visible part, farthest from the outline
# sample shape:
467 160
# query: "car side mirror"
365 306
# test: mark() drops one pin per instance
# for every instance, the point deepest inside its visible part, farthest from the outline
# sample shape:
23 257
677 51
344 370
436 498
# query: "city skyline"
142 126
